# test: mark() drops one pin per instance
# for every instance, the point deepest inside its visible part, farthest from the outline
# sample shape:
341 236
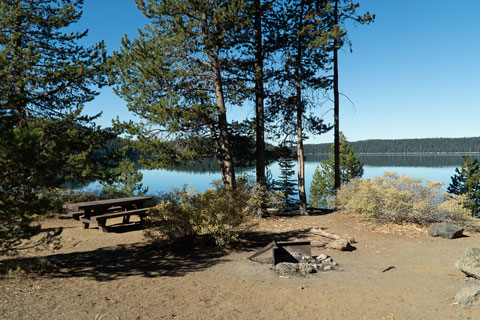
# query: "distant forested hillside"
428 145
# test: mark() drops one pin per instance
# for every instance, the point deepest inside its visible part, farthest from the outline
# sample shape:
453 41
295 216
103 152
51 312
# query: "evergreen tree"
125 181
301 27
45 78
341 11
178 77
322 189
259 93
286 182
467 181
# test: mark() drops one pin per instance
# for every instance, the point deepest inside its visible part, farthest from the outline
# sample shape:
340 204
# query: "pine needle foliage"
45 78
466 181
177 77
322 190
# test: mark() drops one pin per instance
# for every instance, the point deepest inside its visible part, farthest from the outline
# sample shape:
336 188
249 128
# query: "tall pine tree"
45 78
340 12
301 34
178 77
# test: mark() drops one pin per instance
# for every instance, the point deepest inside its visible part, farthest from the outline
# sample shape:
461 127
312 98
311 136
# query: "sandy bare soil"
119 275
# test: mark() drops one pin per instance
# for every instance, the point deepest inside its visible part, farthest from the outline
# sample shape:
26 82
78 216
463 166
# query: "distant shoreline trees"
426 145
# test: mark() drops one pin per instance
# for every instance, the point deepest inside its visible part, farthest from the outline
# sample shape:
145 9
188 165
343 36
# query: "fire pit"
293 258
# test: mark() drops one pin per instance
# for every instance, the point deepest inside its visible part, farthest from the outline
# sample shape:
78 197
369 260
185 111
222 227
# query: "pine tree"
178 77
340 12
259 93
322 189
45 78
467 181
301 28
125 181
286 182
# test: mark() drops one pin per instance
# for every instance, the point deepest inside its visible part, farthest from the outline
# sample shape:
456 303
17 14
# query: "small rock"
322 257
327 268
307 268
468 296
445 230
318 243
340 244
470 264
307 259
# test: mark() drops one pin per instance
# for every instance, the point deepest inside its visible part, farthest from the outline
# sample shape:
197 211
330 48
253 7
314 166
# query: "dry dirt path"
120 276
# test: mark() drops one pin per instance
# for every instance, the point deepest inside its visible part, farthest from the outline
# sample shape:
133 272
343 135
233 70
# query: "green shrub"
187 215
401 199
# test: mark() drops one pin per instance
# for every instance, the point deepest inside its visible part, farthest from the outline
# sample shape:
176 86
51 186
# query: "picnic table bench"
101 220
99 211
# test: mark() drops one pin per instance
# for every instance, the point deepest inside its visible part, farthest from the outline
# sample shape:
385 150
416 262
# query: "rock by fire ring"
445 230
468 296
340 244
470 264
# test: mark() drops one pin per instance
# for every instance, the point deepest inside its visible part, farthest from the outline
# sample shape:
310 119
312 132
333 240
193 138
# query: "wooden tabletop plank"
105 203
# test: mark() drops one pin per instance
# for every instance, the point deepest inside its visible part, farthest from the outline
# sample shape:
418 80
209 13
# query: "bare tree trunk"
223 148
336 108
259 119
300 155
224 152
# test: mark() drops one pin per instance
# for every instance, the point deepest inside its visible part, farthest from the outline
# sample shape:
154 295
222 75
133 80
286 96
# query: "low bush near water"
398 199
190 216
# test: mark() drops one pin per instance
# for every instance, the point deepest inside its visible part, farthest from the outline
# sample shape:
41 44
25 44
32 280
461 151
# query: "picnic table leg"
87 216
126 219
102 225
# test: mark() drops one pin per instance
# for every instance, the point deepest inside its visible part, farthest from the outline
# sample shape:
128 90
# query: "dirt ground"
119 275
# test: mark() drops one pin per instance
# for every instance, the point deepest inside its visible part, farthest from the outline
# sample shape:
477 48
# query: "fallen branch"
332 236
388 269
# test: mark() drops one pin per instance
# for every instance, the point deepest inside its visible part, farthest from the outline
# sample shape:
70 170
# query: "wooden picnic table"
99 211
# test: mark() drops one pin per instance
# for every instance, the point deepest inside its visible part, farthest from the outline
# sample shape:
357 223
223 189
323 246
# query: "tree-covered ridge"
425 145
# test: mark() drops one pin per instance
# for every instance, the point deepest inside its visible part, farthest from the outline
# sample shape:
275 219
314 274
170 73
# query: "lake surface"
438 167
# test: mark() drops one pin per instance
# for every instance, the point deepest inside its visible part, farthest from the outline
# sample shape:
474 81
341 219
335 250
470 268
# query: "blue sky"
413 73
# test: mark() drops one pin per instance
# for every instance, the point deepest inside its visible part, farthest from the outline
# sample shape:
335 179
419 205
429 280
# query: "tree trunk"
301 158
224 152
259 95
223 148
336 111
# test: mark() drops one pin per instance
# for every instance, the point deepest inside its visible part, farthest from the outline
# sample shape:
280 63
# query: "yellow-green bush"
401 199
190 215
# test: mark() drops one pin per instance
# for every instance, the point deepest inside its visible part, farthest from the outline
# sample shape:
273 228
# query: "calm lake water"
432 167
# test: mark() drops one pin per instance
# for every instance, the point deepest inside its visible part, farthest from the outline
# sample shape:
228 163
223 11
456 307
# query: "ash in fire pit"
306 265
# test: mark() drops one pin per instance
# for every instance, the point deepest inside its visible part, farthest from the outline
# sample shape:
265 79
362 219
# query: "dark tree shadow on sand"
141 259
111 263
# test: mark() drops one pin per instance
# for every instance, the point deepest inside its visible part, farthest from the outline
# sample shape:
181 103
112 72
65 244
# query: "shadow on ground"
147 260
111 263
311 212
